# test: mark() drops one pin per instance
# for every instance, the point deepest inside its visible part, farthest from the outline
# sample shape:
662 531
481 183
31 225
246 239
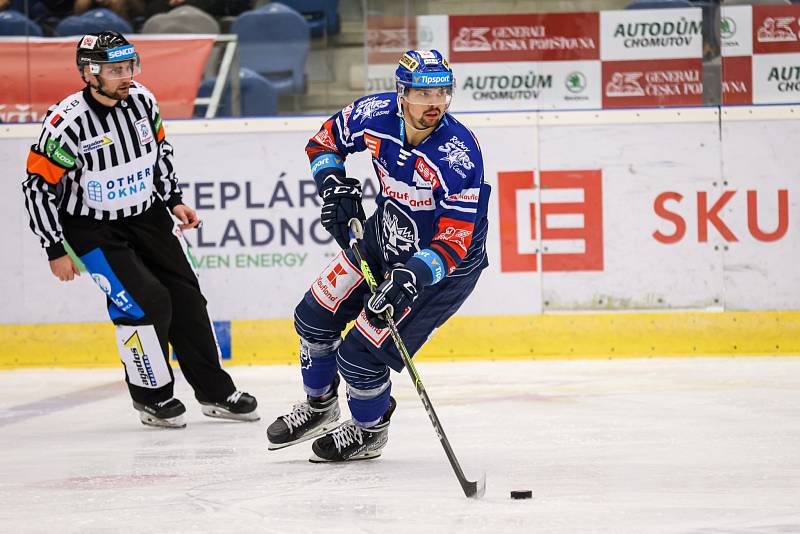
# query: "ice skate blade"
369 455
172 422
218 412
311 435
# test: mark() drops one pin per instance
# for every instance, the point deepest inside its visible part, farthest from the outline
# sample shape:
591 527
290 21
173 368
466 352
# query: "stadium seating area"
310 53
275 42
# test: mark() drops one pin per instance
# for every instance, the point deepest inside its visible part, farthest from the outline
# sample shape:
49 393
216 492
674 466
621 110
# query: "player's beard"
121 92
427 120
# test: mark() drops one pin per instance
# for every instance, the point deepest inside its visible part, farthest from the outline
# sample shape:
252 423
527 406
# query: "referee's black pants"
153 298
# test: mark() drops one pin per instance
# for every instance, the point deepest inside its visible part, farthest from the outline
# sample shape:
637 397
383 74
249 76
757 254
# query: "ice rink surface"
701 446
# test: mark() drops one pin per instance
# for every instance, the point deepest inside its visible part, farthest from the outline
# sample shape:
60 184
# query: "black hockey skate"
167 414
307 420
349 442
239 406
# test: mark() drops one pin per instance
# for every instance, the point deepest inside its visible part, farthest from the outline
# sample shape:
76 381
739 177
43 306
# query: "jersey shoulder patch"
457 150
373 106
64 113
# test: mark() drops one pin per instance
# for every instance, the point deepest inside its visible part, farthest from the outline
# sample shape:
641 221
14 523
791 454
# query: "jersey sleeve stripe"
444 253
458 208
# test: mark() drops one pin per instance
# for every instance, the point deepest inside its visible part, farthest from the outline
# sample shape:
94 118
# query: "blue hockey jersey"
432 196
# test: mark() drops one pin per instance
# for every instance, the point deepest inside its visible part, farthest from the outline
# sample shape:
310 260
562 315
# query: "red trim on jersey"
322 142
456 233
440 250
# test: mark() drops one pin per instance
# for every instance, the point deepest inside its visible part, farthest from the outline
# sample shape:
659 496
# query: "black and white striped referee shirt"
98 161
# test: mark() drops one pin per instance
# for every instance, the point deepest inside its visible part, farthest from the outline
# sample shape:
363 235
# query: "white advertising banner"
380 77
633 190
651 34
736 30
759 209
433 31
776 78
588 212
527 85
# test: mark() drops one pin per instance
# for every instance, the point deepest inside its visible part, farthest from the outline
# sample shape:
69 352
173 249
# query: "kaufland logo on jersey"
336 282
335 273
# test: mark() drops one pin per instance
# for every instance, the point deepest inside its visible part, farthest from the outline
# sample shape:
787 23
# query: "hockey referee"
102 178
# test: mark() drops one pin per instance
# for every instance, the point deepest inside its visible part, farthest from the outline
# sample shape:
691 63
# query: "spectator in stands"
127 9
59 8
216 8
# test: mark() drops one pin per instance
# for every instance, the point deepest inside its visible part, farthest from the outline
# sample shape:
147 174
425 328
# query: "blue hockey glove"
341 201
394 295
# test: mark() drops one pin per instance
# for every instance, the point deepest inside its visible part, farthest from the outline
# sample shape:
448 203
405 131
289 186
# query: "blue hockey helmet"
424 69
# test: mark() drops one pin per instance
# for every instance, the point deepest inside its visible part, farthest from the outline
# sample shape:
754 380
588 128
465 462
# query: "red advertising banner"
388 37
662 82
40 72
526 37
776 29
737 80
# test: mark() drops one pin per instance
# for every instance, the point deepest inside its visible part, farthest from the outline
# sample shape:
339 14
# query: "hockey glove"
393 296
341 201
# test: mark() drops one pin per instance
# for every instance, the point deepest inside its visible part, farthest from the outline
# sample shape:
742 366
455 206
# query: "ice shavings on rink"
700 446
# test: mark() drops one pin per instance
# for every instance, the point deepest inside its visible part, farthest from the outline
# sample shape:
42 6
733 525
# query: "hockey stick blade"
475 490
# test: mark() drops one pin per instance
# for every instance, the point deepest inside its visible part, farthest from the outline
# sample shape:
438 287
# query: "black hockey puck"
523 494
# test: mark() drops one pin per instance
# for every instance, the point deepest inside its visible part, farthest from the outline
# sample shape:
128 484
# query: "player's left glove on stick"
341 201
394 295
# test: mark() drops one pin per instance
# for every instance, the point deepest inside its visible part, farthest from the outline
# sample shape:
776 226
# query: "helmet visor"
118 70
428 96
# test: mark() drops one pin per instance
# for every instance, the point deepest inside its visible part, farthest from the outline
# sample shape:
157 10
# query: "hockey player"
102 177
427 237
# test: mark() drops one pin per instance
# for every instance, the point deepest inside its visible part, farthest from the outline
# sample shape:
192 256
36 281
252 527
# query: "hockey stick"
471 489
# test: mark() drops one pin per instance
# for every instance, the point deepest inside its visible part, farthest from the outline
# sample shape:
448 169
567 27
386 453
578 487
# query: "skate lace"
234 397
346 434
300 414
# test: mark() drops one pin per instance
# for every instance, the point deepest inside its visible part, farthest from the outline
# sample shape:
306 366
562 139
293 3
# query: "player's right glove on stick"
341 201
393 296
